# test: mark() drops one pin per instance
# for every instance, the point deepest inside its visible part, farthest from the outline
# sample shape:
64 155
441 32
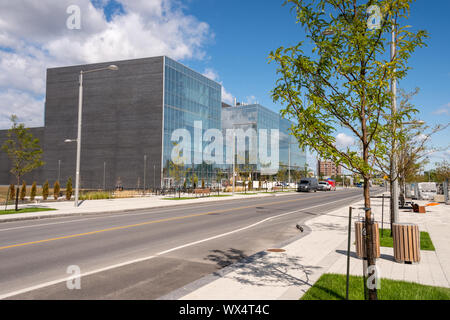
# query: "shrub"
56 189
45 190
33 191
203 184
12 191
23 191
69 188
95 195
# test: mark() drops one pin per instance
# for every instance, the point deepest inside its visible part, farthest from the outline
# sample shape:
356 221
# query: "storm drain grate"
276 250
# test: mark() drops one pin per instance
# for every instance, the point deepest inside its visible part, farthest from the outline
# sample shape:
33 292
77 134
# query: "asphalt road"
149 253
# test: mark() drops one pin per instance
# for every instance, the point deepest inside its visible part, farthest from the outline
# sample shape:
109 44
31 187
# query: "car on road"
324 186
308 185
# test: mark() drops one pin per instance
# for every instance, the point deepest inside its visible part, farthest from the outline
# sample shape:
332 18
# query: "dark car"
308 185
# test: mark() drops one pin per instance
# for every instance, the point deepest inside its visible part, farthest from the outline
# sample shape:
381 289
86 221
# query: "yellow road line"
147 223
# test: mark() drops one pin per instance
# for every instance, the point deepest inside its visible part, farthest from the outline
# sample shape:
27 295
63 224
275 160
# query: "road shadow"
263 269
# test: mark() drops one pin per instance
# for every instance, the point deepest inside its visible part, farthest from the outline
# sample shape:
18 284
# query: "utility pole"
145 167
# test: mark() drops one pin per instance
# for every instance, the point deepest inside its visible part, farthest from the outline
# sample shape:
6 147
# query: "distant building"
328 168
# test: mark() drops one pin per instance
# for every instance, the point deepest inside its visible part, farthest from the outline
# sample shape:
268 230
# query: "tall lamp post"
78 140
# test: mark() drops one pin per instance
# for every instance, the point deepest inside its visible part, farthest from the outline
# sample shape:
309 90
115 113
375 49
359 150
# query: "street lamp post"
394 181
80 110
145 169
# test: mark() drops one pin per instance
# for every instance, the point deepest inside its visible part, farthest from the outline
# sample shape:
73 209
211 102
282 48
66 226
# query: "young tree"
33 191
23 150
56 189
69 188
195 180
45 190
442 171
23 191
12 192
345 80
406 144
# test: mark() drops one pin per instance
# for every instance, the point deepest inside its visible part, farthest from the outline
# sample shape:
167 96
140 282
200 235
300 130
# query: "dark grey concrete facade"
122 122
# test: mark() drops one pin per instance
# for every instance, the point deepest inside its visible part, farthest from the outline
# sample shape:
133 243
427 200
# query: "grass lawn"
332 287
25 210
182 198
387 241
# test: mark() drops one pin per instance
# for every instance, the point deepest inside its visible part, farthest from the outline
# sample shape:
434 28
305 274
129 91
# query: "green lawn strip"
387 241
333 286
25 210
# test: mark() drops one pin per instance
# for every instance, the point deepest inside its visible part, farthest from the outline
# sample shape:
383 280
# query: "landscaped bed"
333 287
387 241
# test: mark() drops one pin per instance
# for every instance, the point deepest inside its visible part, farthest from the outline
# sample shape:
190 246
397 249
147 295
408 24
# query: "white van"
427 190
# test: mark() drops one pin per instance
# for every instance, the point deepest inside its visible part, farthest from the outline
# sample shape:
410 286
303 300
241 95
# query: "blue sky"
227 40
246 31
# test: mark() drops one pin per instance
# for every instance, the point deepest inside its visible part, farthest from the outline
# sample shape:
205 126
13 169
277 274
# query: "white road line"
106 216
248 227
49 283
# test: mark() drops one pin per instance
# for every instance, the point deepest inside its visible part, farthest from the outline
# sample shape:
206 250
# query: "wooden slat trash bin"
406 238
359 239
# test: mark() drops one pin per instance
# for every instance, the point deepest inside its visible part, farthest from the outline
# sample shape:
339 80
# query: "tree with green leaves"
56 189
23 191
345 82
23 151
442 171
69 189
33 191
45 190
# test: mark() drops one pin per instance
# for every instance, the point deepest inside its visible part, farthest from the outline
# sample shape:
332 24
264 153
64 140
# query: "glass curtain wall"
188 97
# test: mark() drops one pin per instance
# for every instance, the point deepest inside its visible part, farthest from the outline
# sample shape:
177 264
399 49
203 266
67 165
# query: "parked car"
323 186
308 185
332 184
359 185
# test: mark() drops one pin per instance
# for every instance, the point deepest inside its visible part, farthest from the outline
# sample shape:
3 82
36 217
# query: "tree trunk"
369 234
17 194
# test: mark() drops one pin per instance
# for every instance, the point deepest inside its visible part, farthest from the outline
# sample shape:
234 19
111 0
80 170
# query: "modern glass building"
129 116
257 117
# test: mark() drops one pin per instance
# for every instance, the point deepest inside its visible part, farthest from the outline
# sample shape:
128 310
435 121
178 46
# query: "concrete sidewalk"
67 208
288 275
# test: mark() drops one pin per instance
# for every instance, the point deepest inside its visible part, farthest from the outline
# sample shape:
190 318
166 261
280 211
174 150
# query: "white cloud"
211 74
251 100
227 97
444 110
344 141
25 106
35 36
